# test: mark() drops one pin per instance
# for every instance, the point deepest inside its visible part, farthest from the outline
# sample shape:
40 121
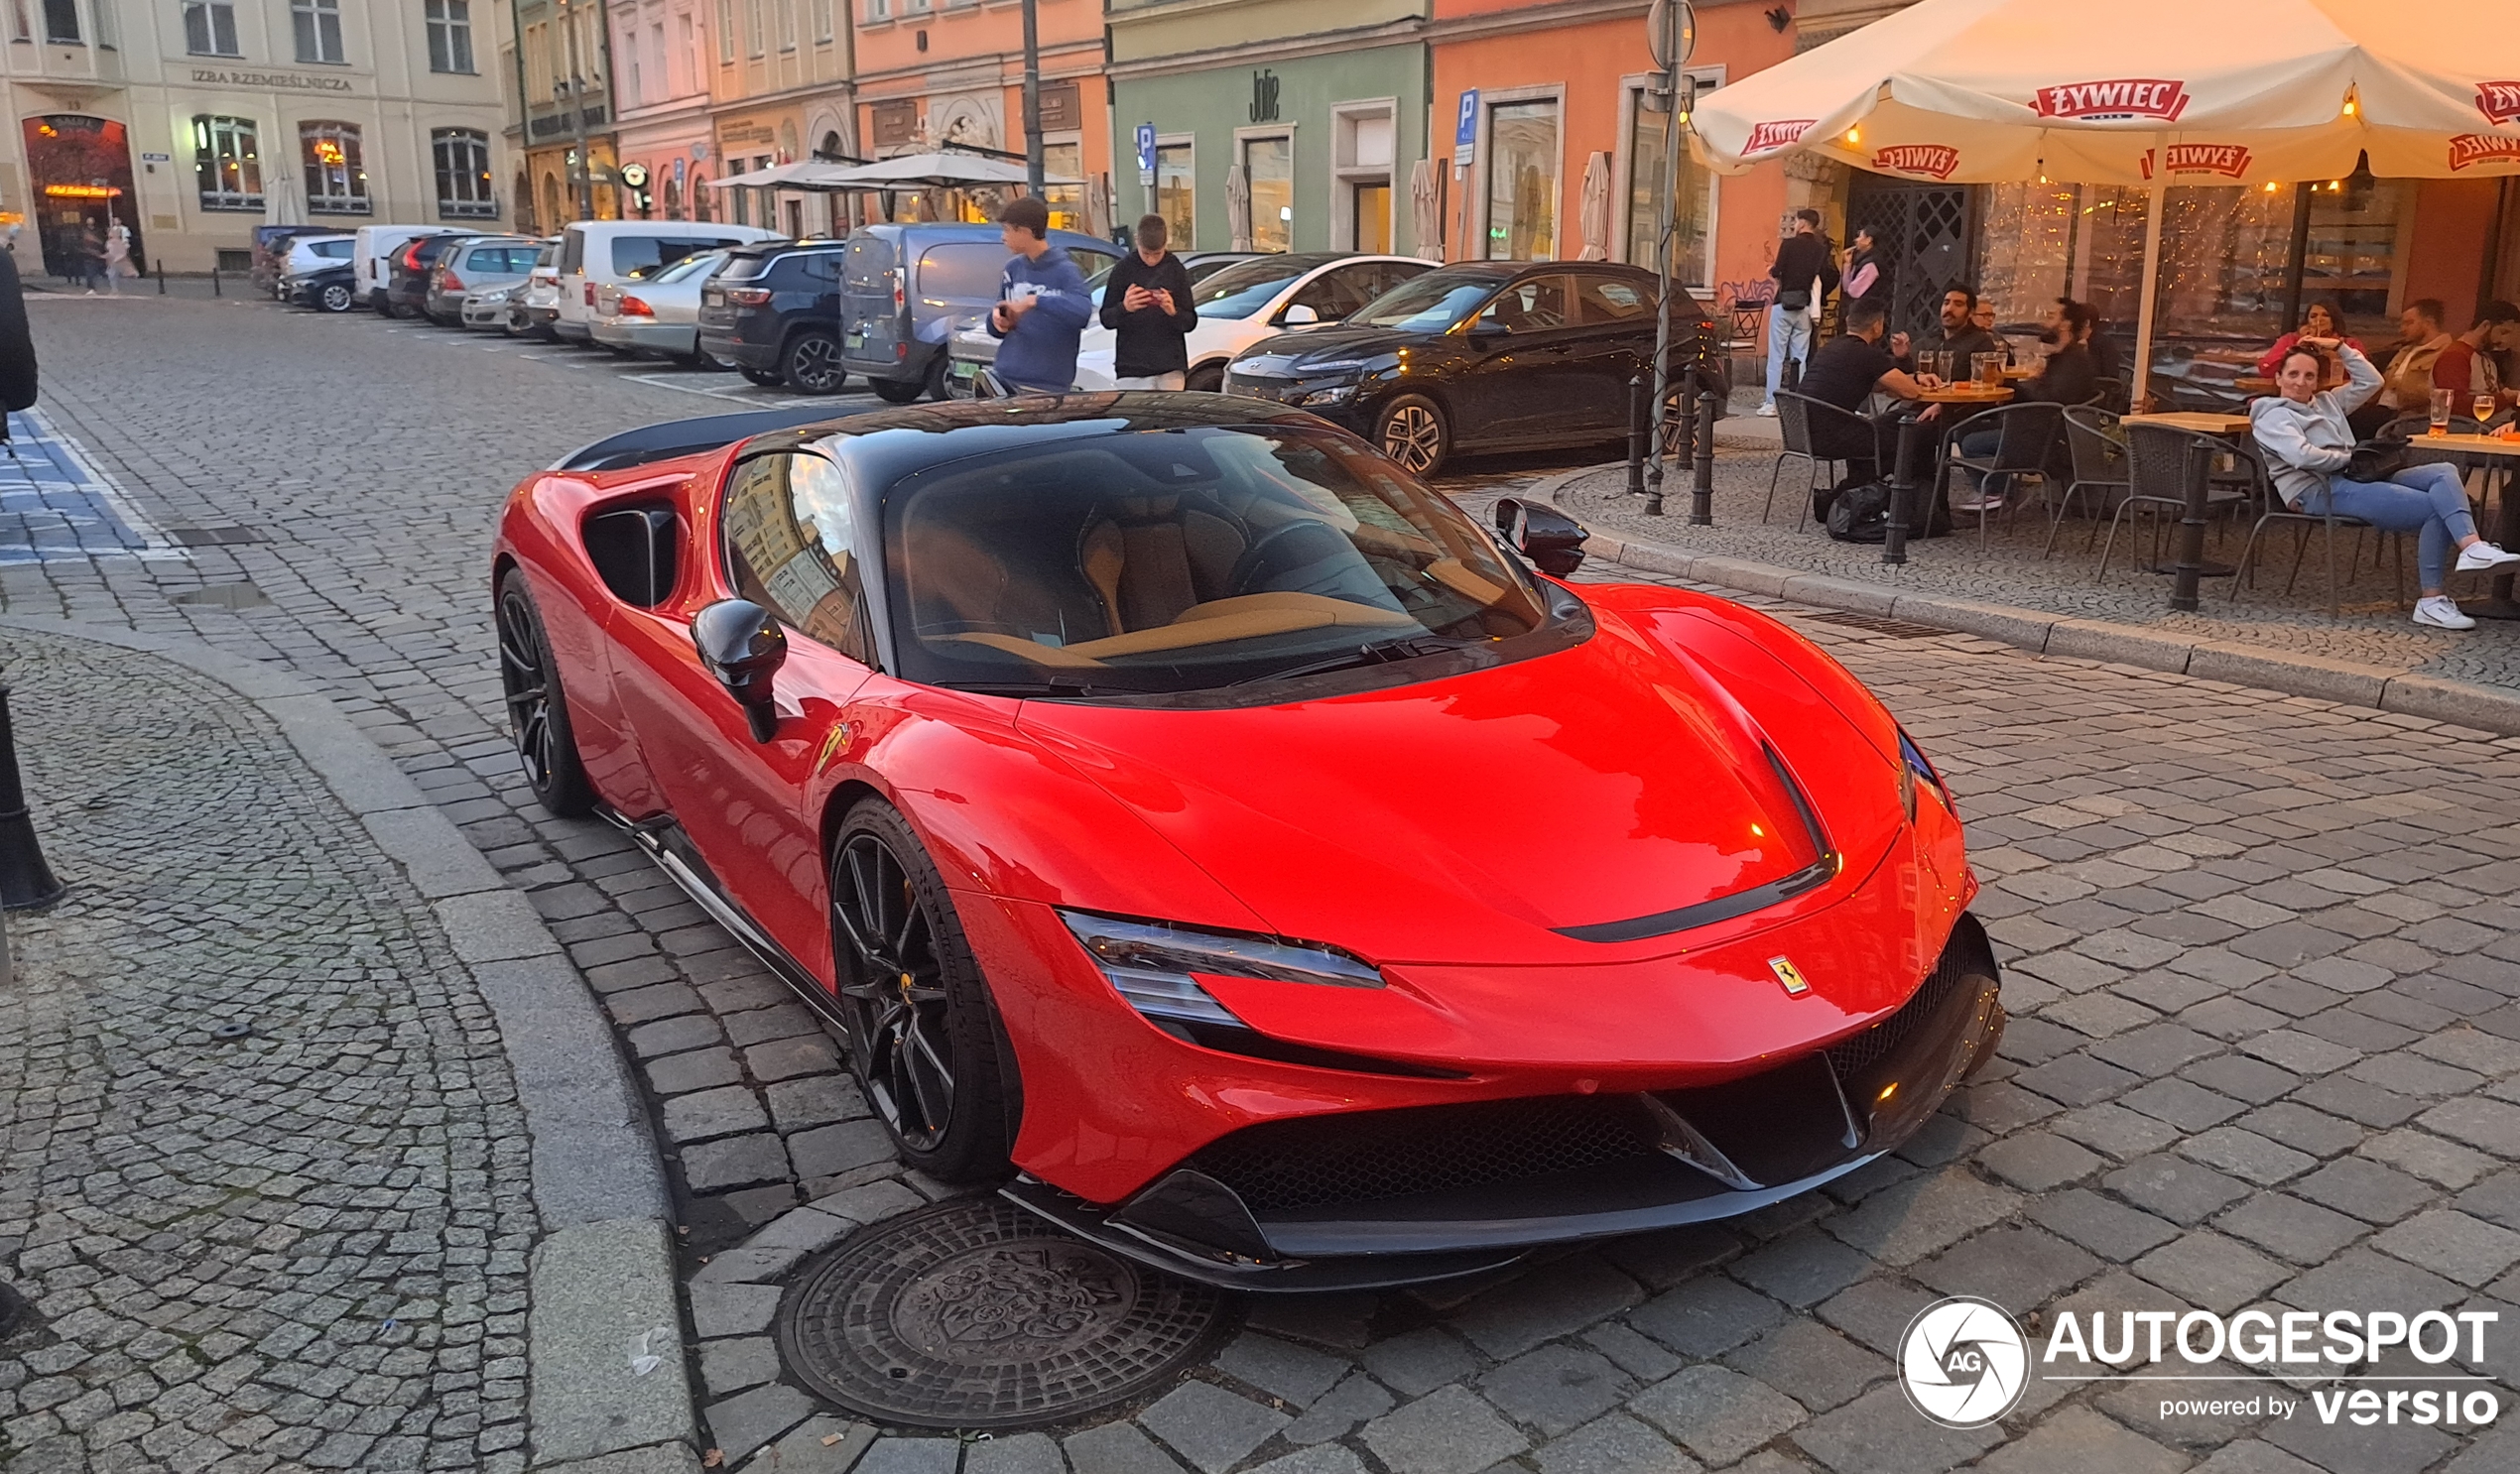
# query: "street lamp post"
1033 170
1671 33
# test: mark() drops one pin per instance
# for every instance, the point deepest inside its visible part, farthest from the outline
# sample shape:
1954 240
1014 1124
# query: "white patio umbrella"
1596 214
944 171
1425 209
1239 206
2142 93
802 173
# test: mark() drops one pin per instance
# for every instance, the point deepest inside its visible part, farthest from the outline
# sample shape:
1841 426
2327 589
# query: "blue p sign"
1146 148
1466 125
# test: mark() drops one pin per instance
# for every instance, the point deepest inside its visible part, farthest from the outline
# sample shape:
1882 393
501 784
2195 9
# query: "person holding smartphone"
1146 304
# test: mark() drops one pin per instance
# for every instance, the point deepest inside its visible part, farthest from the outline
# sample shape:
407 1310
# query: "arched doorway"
523 194
81 171
553 215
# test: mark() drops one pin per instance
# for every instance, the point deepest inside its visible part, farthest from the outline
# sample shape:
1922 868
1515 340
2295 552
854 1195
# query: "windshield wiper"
1377 653
1053 686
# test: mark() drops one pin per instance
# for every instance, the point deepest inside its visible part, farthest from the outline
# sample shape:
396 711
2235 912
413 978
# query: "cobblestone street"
2265 1045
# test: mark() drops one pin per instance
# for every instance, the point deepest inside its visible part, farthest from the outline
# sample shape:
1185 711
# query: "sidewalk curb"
603 1279
2459 702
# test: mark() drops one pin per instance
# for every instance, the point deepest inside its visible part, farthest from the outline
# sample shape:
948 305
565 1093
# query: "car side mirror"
744 647
1299 315
1484 335
1552 540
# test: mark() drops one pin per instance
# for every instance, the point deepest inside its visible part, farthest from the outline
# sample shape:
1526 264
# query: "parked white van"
372 259
596 252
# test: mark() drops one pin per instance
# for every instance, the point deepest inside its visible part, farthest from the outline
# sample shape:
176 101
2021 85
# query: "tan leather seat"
1155 557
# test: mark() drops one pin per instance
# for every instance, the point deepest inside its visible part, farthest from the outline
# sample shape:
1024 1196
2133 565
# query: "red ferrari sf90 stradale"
1199 827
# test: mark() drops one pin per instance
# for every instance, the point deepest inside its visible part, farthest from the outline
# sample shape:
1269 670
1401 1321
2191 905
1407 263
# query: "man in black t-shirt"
1146 302
1845 372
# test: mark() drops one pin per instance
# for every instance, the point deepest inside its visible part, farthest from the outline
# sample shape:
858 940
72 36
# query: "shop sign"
1264 96
755 133
220 76
1061 109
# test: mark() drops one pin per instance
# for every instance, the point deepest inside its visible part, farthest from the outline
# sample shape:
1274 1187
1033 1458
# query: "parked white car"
658 314
594 252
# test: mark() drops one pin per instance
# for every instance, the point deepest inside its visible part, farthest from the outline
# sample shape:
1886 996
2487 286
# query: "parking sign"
1146 153
1465 128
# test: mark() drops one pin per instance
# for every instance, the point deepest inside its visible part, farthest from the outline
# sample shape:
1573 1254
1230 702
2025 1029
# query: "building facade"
780 92
1303 120
190 122
562 133
667 68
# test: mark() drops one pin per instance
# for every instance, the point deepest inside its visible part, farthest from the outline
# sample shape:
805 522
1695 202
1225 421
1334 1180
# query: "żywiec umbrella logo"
2498 101
1767 137
2125 97
2470 149
1964 1362
2231 160
1930 158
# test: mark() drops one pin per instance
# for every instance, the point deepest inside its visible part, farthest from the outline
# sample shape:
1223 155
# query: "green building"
1320 103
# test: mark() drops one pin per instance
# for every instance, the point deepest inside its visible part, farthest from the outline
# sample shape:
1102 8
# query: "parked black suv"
407 281
773 312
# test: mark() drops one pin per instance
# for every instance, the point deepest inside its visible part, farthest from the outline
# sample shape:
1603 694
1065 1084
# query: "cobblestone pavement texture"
301 1249
2371 628
2262 974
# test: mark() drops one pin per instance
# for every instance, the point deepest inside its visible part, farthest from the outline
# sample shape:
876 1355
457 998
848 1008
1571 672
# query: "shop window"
227 163
60 22
1522 181
1066 201
451 36
318 28
1693 198
1177 193
209 28
336 175
1268 169
463 157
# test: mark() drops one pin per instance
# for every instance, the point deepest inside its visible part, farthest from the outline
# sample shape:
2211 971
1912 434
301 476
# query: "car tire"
810 364
335 297
935 385
1209 379
1986 1048
538 706
897 391
766 378
1411 430
925 1039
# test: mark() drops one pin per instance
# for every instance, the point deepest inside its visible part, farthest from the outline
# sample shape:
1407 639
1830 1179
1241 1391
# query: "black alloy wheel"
923 1036
1411 430
1208 380
935 384
897 391
337 298
811 364
766 378
538 710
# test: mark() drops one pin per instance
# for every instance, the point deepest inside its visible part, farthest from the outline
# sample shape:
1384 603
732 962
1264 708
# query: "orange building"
930 75
1562 83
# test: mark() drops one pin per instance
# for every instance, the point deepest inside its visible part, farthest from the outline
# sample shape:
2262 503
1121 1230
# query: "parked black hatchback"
774 312
1491 355
407 286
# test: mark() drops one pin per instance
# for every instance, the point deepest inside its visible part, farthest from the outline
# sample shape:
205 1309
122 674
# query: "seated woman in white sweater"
2307 442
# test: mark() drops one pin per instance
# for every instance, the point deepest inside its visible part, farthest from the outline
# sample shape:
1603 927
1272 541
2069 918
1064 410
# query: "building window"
450 35
1693 199
1268 170
726 32
1066 201
60 22
227 159
336 175
636 93
209 28
464 173
756 34
821 20
1522 182
319 26
1177 193
786 24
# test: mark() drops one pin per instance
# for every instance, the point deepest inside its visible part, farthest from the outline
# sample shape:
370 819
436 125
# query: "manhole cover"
976 1314
1897 629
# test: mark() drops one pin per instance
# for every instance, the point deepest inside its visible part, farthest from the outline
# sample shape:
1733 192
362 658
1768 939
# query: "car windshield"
1246 287
1433 303
1164 562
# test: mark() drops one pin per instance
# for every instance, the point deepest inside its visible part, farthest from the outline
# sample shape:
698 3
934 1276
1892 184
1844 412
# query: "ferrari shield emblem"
1789 975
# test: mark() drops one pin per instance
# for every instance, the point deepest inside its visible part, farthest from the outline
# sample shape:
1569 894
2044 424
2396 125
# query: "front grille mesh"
1852 1055
1369 1156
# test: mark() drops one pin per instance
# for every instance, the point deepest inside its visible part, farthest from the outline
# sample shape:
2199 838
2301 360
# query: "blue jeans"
2430 497
1789 336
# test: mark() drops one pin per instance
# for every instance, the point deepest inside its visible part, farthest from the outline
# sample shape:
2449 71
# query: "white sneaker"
2483 555
2439 612
1767 411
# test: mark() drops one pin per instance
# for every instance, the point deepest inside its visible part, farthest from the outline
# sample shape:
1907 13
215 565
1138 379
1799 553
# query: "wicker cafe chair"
2109 394
1823 424
1794 428
2027 434
2097 447
2157 458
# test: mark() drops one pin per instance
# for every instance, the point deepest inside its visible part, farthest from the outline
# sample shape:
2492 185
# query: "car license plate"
857 339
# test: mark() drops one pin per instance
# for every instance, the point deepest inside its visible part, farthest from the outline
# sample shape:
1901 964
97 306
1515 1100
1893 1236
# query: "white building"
193 121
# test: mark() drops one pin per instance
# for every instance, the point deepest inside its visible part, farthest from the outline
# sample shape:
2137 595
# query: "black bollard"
1681 429
1902 490
1702 483
2192 531
162 276
1639 425
25 880
214 291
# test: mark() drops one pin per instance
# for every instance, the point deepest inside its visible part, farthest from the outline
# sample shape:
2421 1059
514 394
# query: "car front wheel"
812 363
538 710
923 1038
335 299
1411 430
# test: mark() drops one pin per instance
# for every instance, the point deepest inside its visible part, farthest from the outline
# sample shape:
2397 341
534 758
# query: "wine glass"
2484 408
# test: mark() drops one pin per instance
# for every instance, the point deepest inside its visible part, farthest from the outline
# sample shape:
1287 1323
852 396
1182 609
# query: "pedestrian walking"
1146 302
1042 305
1805 275
91 257
117 257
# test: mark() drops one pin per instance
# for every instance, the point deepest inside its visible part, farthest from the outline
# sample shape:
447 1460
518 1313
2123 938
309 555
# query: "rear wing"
635 447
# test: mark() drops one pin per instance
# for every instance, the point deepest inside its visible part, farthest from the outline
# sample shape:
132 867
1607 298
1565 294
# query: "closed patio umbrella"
1238 207
280 200
1595 217
1425 209
2141 92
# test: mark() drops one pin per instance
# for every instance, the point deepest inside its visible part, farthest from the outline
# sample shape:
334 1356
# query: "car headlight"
1149 964
1336 393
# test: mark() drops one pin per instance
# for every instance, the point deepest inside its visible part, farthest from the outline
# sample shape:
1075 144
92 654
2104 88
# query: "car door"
778 535
1337 292
1519 344
1613 342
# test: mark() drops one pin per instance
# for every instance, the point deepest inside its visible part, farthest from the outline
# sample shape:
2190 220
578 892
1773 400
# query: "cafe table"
2192 564
2495 454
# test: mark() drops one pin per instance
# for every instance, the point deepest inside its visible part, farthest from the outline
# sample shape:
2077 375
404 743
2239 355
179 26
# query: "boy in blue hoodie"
1043 304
